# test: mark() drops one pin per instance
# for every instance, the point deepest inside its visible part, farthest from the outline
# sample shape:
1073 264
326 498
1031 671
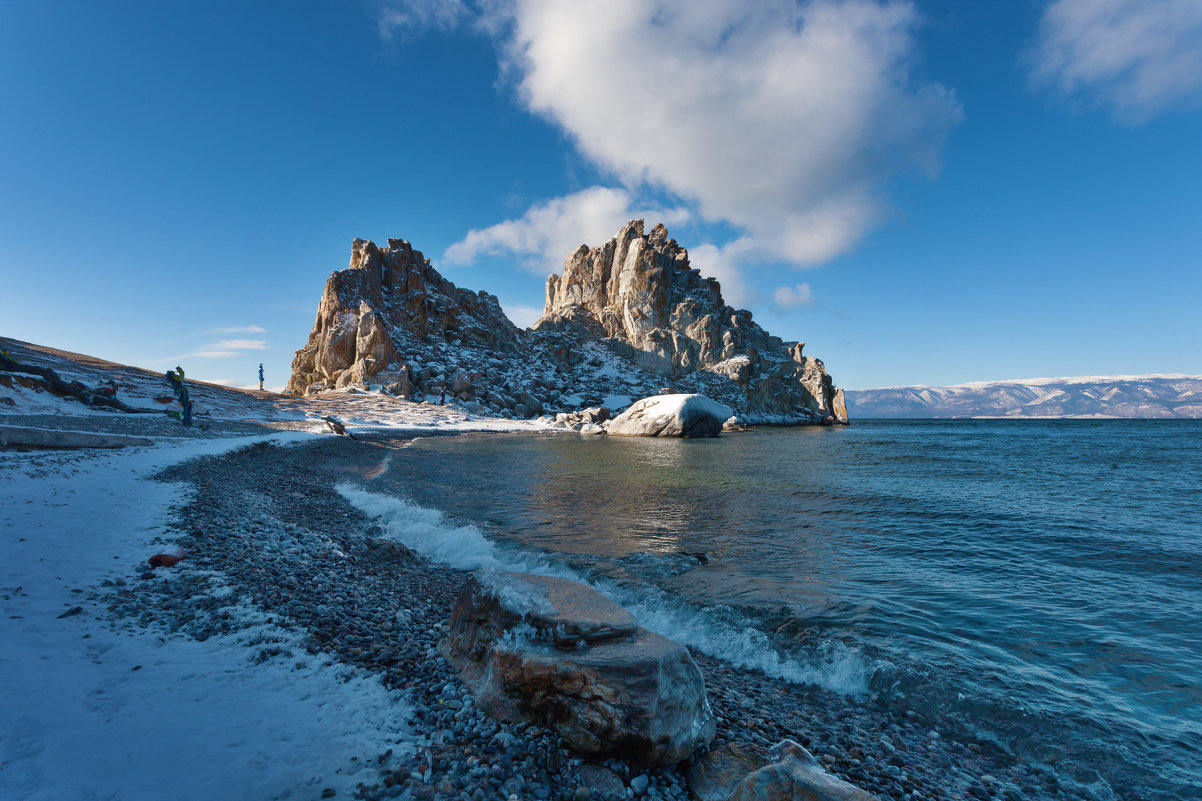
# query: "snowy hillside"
1133 396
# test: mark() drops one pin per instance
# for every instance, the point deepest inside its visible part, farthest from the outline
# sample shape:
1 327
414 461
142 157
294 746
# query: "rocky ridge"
626 320
1148 396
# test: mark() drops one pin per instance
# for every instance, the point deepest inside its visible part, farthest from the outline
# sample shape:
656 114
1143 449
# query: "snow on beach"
90 711
295 652
94 708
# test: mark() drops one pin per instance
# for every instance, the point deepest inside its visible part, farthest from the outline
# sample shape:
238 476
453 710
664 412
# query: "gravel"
265 524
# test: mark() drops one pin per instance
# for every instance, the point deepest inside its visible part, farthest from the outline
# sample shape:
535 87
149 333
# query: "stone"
20 436
793 773
604 784
671 416
567 612
839 407
388 549
560 654
715 774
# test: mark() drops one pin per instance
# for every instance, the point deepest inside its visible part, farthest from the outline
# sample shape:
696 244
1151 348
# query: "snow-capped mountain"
1152 396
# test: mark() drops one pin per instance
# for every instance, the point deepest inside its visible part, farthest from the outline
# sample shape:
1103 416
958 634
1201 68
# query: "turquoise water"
1036 583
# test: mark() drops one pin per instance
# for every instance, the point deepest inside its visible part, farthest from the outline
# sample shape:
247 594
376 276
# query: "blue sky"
924 192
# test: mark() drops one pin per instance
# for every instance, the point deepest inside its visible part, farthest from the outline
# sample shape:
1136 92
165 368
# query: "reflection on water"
1041 580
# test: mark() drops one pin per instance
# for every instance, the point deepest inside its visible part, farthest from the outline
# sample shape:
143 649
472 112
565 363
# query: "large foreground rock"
794 775
560 654
671 416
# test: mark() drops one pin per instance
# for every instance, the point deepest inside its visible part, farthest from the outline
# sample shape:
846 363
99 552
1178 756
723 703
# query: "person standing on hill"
260 376
176 380
185 404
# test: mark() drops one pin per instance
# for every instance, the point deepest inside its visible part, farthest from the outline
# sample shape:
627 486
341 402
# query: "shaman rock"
628 319
388 296
640 292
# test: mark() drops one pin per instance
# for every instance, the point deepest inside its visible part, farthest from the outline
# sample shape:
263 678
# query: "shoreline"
363 615
264 521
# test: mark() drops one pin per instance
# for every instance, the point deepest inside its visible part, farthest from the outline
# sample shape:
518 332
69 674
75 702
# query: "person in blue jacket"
260 376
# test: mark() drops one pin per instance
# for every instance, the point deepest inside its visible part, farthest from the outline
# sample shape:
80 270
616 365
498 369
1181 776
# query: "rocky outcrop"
627 319
388 299
793 773
640 292
561 654
671 416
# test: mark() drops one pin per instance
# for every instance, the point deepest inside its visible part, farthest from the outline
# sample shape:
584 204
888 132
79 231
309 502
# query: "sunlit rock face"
639 291
626 320
386 296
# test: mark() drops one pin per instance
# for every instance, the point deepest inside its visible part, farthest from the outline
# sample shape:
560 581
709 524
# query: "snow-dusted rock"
671 416
385 291
640 291
561 654
625 320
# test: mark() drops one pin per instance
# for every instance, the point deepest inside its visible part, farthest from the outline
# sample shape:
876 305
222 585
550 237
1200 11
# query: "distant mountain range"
1130 396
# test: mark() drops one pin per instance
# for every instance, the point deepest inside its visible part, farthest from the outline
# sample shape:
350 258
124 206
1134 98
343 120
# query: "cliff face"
385 298
625 320
640 291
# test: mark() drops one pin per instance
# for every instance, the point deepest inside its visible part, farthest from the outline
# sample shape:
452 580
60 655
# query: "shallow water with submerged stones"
1028 590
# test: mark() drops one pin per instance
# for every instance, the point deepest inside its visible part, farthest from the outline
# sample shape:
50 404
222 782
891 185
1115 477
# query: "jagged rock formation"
626 320
383 298
1147 396
640 291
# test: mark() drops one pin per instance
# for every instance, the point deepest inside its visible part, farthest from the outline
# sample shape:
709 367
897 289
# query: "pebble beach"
268 523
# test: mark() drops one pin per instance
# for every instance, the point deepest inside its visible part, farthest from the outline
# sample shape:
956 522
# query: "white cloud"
1134 57
241 344
551 231
204 354
782 118
723 262
406 16
792 297
239 329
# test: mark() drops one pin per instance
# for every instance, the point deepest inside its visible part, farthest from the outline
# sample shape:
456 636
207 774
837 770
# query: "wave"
719 631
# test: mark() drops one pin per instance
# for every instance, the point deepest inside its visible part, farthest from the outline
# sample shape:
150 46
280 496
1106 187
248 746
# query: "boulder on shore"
793 773
560 654
671 416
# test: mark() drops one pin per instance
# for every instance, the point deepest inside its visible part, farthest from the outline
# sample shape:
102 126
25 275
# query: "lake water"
1035 583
